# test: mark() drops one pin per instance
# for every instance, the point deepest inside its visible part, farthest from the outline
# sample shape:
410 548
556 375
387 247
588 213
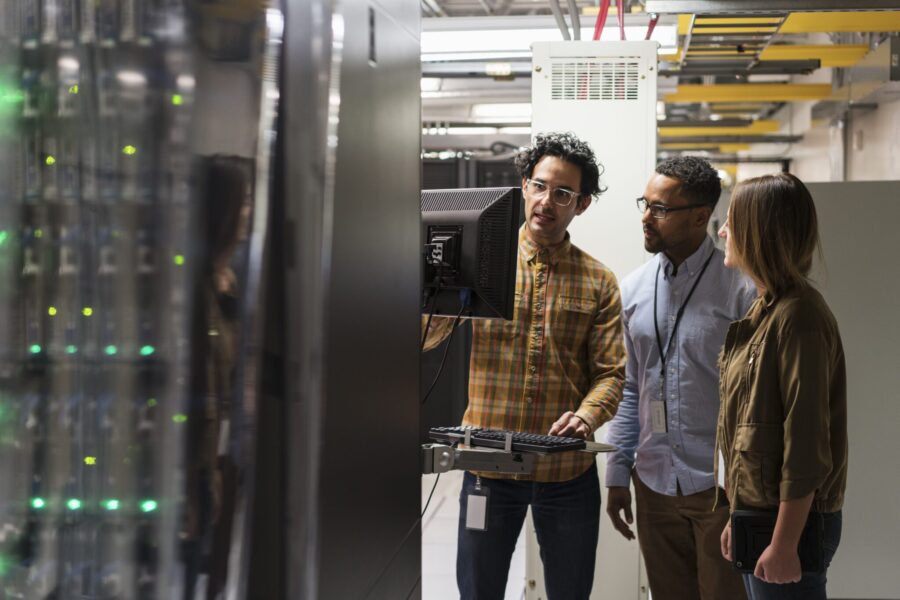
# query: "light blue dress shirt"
682 456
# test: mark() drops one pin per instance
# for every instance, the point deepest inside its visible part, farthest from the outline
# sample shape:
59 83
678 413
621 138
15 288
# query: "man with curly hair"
676 309
557 368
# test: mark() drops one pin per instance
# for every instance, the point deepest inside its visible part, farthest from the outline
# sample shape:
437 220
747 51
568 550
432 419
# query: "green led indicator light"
111 504
177 99
148 506
34 348
52 311
179 259
13 96
179 418
73 503
73 89
38 233
151 402
90 460
87 311
147 350
50 161
110 350
4 235
38 503
71 349
129 150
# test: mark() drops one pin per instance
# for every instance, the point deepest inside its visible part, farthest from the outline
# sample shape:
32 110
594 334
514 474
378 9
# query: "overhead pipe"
576 20
560 20
620 15
654 19
601 19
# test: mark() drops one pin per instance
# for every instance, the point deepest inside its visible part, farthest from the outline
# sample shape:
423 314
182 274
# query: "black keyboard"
496 438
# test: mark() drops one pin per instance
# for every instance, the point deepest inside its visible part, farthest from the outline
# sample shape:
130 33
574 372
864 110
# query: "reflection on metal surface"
123 261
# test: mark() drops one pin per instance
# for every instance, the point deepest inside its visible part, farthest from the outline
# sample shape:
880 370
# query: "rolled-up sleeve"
805 376
606 358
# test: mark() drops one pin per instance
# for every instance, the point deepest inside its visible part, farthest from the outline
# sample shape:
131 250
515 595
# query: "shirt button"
533 368
528 400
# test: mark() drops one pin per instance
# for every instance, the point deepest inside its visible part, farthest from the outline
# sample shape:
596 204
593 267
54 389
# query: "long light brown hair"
775 232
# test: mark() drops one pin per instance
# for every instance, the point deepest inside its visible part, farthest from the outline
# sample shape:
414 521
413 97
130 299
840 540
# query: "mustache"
650 229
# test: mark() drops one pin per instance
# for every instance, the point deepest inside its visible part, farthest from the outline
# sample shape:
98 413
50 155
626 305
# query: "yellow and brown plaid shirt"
561 352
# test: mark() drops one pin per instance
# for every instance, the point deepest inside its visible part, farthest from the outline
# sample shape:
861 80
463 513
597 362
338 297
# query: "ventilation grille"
594 80
493 241
461 199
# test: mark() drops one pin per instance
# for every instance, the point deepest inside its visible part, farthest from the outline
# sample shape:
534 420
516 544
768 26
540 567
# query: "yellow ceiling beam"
735 20
841 55
671 57
750 92
684 24
826 22
757 127
753 29
692 52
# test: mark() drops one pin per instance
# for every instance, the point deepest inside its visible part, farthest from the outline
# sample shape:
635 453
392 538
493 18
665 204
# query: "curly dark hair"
569 148
699 181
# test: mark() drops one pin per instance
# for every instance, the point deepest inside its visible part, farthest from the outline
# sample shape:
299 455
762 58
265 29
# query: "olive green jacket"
783 420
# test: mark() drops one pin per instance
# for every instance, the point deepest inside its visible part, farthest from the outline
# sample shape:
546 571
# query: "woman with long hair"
782 433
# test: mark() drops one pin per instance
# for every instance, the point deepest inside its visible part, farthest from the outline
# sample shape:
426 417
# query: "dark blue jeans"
566 519
810 587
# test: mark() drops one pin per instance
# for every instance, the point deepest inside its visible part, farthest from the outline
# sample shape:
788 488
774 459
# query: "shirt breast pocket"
574 319
705 336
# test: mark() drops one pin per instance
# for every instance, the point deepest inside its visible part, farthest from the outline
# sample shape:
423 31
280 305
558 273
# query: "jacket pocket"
759 448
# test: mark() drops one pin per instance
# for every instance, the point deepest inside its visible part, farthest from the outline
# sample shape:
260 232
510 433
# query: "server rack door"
126 404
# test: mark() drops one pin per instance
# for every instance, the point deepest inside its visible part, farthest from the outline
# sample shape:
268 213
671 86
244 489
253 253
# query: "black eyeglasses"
659 211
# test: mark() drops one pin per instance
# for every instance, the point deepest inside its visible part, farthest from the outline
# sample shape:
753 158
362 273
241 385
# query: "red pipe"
601 19
620 10
651 26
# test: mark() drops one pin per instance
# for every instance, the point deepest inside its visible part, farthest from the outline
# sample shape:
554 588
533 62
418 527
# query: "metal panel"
857 225
353 257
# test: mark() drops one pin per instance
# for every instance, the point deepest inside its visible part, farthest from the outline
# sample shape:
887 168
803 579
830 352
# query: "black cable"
462 307
427 502
408 533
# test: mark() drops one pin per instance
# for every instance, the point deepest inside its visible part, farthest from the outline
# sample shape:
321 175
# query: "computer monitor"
471 240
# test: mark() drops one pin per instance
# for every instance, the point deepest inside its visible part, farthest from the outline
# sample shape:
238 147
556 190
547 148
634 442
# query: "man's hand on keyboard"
569 425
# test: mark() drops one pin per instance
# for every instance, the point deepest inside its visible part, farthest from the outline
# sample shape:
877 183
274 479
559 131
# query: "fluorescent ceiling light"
431 84
516 130
518 109
520 40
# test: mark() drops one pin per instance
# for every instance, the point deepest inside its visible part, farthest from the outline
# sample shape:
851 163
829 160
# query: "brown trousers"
679 538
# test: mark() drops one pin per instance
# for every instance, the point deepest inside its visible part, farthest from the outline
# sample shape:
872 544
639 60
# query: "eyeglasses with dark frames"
539 190
660 211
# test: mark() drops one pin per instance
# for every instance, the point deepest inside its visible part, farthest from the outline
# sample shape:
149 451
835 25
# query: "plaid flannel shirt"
563 351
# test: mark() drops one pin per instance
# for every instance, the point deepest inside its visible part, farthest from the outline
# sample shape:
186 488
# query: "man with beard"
557 368
676 309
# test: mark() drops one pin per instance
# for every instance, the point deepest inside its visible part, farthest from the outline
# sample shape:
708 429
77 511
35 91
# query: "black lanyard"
662 354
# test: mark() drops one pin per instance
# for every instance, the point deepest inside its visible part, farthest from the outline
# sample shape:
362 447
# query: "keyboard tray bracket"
440 458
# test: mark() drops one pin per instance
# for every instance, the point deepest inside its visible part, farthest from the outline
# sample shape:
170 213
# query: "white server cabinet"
605 93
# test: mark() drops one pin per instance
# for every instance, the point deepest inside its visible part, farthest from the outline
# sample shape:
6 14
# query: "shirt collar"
533 251
693 263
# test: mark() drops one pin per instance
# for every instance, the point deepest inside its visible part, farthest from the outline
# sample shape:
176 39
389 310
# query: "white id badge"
658 416
476 509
